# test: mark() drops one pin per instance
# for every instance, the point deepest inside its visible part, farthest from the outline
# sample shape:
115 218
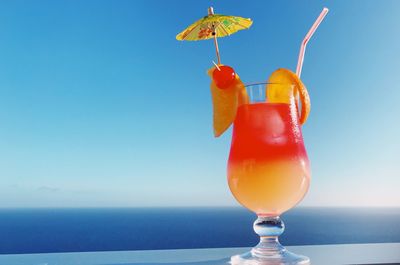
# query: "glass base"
283 257
269 251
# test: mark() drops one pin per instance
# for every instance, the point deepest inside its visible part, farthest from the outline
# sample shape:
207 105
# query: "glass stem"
269 228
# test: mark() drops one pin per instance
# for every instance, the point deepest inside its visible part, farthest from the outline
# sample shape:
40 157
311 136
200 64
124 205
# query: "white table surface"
387 253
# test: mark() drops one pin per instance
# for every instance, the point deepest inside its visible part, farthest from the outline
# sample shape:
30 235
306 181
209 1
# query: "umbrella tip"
210 10
216 65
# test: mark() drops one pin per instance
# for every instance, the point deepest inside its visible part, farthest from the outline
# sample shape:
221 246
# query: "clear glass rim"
265 83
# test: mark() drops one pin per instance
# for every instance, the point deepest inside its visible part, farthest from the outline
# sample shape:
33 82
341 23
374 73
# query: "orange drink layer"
268 167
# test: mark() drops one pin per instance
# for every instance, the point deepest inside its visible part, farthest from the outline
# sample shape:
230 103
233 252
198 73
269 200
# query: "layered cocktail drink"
268 167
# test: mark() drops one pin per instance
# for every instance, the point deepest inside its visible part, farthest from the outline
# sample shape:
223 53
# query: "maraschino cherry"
224 76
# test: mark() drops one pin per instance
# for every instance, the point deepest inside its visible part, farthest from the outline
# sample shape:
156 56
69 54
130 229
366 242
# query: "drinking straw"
307 38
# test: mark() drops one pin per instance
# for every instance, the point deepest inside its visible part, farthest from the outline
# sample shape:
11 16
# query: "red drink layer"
268 167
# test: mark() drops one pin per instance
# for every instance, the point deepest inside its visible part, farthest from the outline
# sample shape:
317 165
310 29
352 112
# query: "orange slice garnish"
284 85
225 103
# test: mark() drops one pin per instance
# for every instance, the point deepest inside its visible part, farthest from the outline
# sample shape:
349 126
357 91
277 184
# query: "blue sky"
101 106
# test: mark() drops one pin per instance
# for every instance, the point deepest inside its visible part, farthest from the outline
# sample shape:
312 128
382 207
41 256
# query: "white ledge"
319 254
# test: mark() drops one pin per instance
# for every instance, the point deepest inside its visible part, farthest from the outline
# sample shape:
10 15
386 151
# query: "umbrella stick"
210 13
216 48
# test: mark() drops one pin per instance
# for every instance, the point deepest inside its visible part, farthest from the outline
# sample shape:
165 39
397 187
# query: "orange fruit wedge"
225 103
283 86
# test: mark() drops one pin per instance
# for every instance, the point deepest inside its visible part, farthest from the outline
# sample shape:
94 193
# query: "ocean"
107 229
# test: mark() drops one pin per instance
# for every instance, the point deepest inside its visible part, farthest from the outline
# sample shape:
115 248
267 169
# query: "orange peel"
283 85
225 103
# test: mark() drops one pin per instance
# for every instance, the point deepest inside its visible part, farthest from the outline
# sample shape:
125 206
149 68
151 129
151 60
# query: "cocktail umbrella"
214 26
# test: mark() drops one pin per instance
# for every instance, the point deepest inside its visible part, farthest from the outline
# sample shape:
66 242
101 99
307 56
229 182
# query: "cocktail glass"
268 168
